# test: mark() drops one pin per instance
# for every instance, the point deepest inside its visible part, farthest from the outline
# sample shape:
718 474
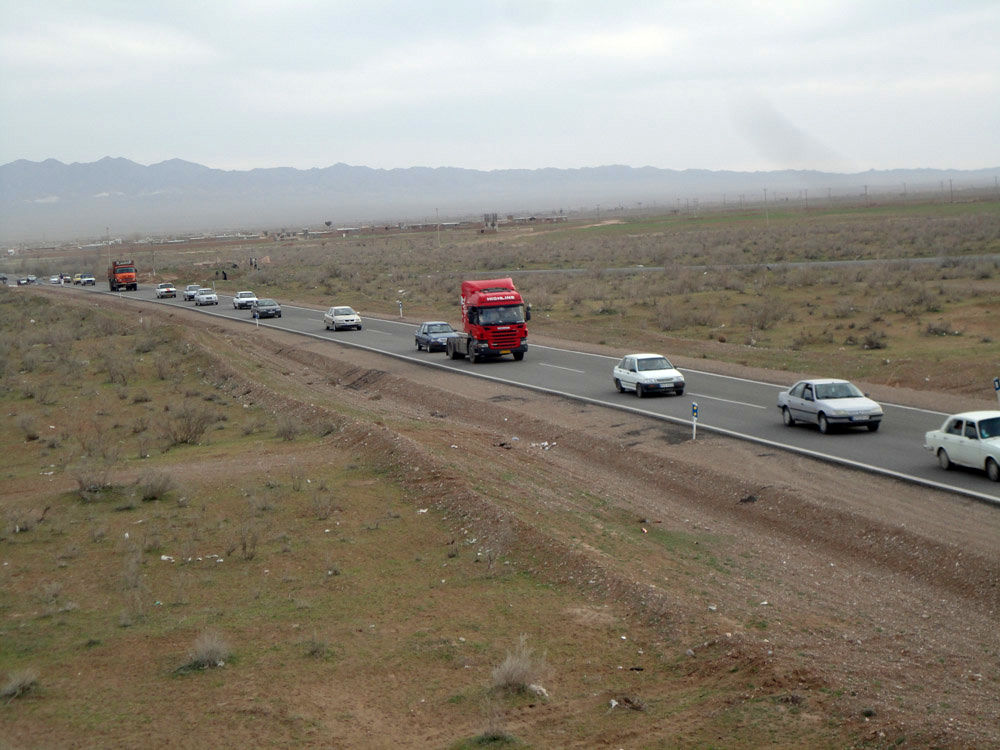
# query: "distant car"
166 289
30 279
265 308
88 279
76 278
244 300
189 291
970 439
23 281
434 334
828 402
647 373
206 296
341 316
55 279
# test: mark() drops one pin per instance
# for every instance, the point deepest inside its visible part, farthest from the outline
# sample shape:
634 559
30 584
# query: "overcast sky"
836 85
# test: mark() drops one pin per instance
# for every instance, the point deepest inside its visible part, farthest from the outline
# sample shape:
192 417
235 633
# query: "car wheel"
518 356
472 355
786 417
943 461
824 426
639 390
326 326
679 392
618 386
993 470
278 315
873 426
419 346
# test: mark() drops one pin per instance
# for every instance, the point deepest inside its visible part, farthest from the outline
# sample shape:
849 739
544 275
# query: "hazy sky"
838 85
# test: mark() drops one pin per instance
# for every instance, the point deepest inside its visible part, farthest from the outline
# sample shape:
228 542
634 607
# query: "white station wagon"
646 374
971 439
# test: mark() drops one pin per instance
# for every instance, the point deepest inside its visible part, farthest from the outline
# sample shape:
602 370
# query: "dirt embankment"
884 593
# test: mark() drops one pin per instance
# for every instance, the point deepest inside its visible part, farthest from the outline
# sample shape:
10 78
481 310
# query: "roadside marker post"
400 303
996 387
694 420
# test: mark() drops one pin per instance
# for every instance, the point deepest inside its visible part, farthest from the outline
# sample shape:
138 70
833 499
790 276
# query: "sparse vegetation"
210 650
19 684
520 669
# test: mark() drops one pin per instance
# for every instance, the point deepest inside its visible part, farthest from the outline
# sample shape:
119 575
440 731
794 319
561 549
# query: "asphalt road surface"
737 407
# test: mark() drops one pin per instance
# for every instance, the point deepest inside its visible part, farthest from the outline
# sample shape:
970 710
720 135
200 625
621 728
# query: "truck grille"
504 339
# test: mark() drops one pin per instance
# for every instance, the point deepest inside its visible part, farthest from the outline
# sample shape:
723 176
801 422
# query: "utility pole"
767 218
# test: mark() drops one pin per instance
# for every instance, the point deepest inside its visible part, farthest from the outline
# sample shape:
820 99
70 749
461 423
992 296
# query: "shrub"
210 649
188 423
288 427
28 426
519 669
155 485
19 683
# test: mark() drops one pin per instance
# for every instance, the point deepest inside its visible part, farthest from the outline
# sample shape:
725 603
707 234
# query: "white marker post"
996 387
694 420
400 303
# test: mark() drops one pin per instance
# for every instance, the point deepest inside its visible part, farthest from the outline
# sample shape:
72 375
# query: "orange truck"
493 321
122 275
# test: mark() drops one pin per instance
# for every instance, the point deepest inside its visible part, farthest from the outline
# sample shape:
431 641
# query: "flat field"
263 540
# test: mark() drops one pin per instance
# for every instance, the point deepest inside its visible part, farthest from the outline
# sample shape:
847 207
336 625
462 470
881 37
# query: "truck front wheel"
472 354
518 356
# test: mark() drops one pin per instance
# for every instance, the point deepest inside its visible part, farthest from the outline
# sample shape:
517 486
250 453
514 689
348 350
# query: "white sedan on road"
341 316
828 402
206 296
647 373
244 300
970 439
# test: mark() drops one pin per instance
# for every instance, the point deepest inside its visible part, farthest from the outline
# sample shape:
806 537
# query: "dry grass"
210 650
19 684
519 670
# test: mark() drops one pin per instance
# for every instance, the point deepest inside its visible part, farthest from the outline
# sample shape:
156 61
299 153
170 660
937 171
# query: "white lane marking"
728 401
560 367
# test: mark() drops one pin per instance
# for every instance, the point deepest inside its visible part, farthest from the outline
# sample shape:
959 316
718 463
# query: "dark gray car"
434 334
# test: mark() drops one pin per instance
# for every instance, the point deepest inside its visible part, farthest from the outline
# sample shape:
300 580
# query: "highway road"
736 407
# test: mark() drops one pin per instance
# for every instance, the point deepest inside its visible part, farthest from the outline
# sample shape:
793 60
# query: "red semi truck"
122 275
493 321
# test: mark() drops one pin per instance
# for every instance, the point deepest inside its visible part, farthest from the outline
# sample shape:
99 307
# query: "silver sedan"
827 402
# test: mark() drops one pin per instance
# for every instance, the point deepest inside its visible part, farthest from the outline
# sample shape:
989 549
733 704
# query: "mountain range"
52 201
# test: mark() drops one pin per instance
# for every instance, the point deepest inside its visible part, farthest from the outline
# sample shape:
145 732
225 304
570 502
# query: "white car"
244 300
206 297
971 439
341 316
647 373
166 289
827 402
190 290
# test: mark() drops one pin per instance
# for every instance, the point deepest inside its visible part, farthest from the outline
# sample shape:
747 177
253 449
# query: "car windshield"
205 291
266 303
165 286
343 311
245 294
439 328
501 315
837 390
989 428
653 363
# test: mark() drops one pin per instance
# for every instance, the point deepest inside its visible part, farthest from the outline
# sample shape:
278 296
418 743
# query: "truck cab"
493 321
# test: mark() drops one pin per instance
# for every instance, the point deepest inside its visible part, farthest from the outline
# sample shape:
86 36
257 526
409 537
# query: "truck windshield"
501 315
125 269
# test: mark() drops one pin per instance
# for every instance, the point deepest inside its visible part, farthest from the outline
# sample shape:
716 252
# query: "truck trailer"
493 321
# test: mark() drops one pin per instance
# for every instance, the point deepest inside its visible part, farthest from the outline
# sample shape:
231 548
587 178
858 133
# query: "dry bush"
19 683
248 539
210 649
520 669
288 427
117 366
92 477
188 423
28 426
155 485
